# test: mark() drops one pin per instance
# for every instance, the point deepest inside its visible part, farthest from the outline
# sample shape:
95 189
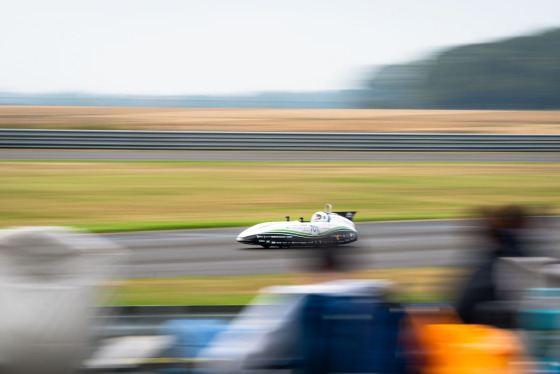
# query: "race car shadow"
347 247
256 248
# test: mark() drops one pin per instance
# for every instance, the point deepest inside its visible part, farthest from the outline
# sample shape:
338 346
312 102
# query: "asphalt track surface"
274 156
214 252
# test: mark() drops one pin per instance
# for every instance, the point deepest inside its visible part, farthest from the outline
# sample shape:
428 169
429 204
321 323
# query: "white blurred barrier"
49 280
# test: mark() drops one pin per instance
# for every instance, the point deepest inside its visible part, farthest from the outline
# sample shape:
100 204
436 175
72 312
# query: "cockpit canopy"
320 217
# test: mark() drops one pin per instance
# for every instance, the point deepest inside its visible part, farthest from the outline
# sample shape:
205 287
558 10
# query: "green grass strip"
135 196
411 285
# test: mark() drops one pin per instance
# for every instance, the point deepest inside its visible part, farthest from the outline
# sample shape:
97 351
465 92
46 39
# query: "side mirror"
301 219
288 218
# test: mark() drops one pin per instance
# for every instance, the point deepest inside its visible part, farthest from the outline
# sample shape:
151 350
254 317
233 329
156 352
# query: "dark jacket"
481 286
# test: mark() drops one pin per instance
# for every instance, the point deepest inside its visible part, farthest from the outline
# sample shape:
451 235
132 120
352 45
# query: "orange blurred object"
471 349
442 345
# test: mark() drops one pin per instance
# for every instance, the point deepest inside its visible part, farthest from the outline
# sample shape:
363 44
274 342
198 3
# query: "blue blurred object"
191 335
352 335
540 316
345 334
341 326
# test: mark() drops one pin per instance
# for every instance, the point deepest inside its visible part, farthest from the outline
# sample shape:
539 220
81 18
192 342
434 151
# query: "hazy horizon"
216 47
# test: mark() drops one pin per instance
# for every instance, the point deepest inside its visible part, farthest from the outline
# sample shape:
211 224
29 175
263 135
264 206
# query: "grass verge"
411 285
131 196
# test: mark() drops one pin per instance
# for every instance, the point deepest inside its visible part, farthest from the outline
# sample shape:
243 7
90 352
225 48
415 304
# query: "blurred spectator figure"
503 233
49 283
328 263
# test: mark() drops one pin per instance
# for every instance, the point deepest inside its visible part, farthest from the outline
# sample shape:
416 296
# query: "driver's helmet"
320 217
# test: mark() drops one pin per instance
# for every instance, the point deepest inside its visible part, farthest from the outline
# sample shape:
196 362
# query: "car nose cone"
250 239
243 239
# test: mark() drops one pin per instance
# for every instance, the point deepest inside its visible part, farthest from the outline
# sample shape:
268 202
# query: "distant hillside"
517 73
296 100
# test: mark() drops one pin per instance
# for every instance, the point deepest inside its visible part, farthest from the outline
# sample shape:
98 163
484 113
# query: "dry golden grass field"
313 120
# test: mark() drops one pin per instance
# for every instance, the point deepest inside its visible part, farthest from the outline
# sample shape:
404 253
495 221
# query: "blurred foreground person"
334 326
48 296
503 234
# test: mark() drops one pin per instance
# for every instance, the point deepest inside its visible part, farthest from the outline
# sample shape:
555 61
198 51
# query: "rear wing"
347 215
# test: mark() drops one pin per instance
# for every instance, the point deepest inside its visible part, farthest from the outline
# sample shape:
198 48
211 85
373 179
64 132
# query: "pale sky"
238 46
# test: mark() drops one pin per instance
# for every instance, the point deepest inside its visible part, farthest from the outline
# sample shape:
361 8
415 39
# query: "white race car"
324 228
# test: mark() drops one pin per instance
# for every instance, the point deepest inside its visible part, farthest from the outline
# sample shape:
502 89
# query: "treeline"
517 73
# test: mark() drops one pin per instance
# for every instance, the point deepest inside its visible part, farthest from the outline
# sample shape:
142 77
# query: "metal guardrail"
274 141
